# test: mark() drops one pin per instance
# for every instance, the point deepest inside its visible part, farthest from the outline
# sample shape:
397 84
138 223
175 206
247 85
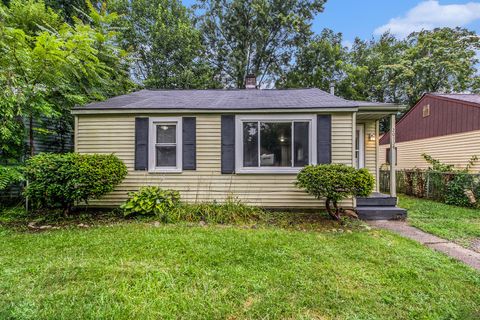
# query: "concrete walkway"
451 249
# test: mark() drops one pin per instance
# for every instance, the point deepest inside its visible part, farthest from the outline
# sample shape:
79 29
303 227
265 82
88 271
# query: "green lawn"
461 225
136 270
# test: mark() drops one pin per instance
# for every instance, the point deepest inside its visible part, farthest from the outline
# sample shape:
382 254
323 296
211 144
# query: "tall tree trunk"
30 134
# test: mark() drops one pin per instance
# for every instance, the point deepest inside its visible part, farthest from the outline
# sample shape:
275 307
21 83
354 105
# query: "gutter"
86 111
374 108
386 107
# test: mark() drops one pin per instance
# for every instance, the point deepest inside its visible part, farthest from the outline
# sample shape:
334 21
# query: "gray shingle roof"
467 97
225 100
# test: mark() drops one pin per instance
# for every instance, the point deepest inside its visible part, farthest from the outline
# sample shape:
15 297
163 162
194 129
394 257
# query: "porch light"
371 137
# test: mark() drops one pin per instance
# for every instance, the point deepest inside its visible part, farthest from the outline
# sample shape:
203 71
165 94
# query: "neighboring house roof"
465 97
437 114
229 100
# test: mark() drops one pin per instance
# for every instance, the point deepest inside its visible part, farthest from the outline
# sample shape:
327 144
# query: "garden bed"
17 219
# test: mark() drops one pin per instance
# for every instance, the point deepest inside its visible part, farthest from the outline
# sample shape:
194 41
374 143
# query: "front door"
360 146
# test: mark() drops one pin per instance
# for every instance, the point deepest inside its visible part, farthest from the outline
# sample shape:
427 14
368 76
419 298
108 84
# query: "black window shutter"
189 149
324 139
228 144
141 143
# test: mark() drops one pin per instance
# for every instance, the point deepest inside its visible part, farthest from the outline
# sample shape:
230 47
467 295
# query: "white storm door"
360 146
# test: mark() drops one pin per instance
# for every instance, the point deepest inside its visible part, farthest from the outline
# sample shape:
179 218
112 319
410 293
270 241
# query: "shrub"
166 205
335 182
437 165
452 183
60 180
415 183
10 175
455 191
151 201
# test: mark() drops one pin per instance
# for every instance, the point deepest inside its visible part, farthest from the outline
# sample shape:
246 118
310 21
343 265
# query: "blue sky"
367 18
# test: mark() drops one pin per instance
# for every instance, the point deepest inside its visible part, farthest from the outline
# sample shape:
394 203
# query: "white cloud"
428 15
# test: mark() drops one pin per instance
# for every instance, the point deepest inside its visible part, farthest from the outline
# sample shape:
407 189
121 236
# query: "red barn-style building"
444 126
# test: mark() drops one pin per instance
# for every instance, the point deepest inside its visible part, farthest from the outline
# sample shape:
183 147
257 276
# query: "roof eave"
383 107
86 111
444 98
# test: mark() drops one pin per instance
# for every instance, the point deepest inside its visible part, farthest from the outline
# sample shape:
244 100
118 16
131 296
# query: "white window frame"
152 136
312 134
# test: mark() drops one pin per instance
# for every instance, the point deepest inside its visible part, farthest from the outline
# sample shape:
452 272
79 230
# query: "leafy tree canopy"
442 60
71 9
167 47
388 69
320 63
47 66
254 36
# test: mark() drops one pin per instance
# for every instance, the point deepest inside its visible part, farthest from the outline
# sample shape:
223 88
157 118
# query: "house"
212 144
444 126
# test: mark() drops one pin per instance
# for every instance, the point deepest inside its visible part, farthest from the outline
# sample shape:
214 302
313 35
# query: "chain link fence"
450 187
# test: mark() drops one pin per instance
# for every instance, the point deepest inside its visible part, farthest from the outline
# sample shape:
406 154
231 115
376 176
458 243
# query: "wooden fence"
11 195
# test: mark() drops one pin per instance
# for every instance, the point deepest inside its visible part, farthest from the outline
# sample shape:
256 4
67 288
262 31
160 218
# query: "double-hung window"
165 145
274 144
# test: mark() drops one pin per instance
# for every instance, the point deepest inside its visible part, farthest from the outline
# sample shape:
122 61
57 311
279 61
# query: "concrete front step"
381 213
377 202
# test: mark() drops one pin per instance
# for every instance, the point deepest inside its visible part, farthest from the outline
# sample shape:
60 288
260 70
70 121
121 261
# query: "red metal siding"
447 116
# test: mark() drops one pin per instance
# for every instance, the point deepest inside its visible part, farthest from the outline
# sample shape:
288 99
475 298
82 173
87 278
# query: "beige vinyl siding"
454 149
342 135
116 134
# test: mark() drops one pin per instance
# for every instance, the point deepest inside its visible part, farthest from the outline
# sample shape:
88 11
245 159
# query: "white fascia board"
206 111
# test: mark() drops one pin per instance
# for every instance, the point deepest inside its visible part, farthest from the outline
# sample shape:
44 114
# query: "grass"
458 224
142 270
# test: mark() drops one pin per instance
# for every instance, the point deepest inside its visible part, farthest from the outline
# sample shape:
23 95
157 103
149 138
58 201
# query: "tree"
318 64
367 75
70 9
358 73
167 47
47 66
400 71
388 69
254 36
335 182
441 60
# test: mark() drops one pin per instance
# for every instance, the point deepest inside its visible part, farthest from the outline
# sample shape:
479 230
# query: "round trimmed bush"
61 180
335 182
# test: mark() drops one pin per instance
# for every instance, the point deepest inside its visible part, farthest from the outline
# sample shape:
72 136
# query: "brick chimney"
250 81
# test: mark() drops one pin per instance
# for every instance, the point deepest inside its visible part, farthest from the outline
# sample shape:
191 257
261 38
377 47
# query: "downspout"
393 158
75 134
354 138
377 167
